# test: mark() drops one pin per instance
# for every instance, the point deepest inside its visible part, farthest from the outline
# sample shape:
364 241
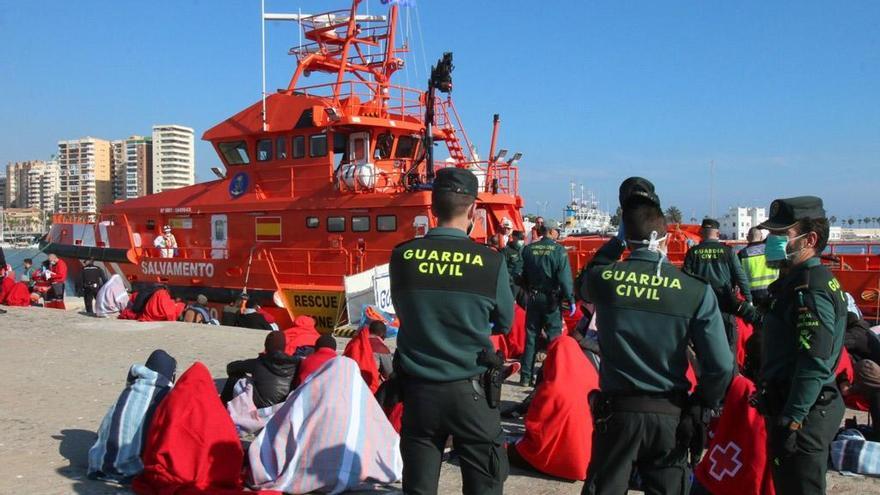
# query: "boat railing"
299 265
183 253
399 101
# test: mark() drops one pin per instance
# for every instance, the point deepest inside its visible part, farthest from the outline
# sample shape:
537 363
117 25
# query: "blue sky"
783 96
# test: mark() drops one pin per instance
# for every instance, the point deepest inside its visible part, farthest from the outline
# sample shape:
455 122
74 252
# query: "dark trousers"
542 313
432 412
804 471
645 441
732 333
89 298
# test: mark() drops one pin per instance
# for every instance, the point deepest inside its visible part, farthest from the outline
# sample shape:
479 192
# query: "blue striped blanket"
852 453
117 453
329 436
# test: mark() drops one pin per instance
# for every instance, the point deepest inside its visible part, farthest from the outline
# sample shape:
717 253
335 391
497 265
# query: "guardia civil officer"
513 257
718 264
648 314
803 335
450 294
546 275
91 279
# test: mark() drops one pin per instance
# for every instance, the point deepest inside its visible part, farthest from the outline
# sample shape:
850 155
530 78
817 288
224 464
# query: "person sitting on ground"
197 312
17 295
268 316
116 455
325 350
863 345
307 445
192 446
161 306
380 351
272 373
252 318
302 334
112 297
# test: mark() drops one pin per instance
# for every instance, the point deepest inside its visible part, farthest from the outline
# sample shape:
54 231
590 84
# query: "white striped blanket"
850 452
329 436
116 454
245 415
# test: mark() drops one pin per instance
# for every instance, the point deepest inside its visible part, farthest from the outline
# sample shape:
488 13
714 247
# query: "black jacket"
860 341
93 278
2 260
272 375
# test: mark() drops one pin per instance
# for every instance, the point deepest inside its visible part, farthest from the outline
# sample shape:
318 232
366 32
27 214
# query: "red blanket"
161 307
302 333
743 332
516 339
361 351
192 447
735 462
6 286
18 295
570 323
559 426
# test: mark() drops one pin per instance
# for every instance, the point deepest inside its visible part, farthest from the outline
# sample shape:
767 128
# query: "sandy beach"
64 369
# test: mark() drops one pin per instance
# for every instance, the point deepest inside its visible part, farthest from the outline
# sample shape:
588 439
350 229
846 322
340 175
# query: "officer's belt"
660 403
474 381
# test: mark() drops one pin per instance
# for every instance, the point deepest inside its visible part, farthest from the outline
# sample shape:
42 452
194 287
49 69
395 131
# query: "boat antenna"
441 80
263 56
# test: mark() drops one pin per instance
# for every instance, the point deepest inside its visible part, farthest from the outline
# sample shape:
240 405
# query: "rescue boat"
321 181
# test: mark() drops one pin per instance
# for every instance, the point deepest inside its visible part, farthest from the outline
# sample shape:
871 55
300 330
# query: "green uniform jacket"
450 294
513 257
803 335
717 264
646 322
546 269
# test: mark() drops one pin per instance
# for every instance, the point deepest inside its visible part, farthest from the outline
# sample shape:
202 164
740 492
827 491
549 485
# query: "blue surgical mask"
776 250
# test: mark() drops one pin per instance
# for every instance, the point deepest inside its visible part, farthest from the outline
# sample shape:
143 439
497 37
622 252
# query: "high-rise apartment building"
737 222
173 157
32 184
86 179
2 191
132 167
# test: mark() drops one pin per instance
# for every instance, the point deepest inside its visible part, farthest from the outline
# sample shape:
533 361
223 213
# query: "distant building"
132 167
735 224
86 178
173 157
32 184
2 191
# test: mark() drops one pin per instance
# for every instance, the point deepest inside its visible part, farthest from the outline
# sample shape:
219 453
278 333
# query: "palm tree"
868 221
833 219
850 222
673 215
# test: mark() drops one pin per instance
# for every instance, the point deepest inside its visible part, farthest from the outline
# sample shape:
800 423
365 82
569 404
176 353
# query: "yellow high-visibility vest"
755 265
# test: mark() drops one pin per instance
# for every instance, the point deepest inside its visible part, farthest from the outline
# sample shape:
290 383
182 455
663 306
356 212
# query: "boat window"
264 150
406 145
312 222
386 223
235 153
383 146
335 224
281 147
299 146
360 224
340 142
318 145
359 149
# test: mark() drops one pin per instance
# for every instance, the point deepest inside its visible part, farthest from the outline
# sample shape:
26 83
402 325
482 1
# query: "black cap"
457 180
785 213
636 188
710 223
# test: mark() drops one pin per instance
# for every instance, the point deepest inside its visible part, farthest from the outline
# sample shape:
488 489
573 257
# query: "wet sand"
63 370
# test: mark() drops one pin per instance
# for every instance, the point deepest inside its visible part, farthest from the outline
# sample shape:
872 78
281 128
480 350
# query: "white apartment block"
735 224
173 157
32 184
86 179
117 167
132 167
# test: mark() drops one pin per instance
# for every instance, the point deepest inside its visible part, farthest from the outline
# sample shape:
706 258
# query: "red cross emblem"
725 462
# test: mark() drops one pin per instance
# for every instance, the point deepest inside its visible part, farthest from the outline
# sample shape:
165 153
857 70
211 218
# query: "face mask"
520 243
776 250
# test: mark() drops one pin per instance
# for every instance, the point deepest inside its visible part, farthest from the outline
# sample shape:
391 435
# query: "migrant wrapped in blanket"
373 313
161 307
330 436
248 418
559 426
851 452
112 297
302 333
6 284
360 350
735 462
192 446
117 453
18 295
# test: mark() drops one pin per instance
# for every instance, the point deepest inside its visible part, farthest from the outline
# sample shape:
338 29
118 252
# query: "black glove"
691 432
783 440
727 300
